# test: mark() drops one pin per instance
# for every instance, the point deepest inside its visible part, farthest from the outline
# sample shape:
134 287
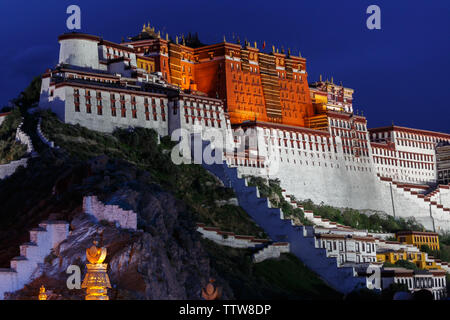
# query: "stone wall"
126 219
272 251
24 139
300 238
229 239
22 268
8 169
43 138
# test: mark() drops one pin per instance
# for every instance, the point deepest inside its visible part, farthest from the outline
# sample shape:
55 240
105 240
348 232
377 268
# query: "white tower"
79 50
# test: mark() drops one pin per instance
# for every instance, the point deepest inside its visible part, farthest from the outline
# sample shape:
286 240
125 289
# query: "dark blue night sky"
400 73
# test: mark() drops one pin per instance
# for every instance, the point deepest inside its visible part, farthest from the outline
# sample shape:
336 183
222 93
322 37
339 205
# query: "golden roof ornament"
176 39
256 45
211 292
96 280
224 40
159 34
42 294
167 37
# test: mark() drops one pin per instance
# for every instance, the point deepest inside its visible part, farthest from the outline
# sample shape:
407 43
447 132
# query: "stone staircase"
301 239
24 267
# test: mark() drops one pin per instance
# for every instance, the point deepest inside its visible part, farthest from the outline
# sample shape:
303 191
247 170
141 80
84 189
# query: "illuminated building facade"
308 136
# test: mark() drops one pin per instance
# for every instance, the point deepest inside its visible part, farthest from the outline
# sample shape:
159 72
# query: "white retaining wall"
229 239
24 138
336 178
8 169
42 240
127 219
272 251
42 136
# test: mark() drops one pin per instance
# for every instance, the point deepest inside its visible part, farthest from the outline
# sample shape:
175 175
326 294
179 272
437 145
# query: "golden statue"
211 293
42 294
96 280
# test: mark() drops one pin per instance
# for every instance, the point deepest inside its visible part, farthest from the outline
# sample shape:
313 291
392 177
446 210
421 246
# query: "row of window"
123 112
403 155
206 122
347 125
402 163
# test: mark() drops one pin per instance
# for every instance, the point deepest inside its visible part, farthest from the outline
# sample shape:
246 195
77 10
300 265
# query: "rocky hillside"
166 258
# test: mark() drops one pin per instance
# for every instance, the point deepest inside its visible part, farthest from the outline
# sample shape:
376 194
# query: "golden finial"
224 40
278 51
320 78
273 48
143 28
211 293
148 24
42 294
289 51
167 37
299 54
96 280
159 34
332 80
256 45
176 39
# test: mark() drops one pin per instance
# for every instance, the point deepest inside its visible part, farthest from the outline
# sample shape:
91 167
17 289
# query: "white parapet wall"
24 138
272 251
42 240
8 169
229 239
127 219
43 138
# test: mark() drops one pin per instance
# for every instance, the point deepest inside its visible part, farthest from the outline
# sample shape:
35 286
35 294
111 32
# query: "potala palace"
305 134
256 114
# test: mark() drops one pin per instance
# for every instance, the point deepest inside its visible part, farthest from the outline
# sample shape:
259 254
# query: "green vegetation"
10 149
349 217
401 264
273 192
284 278
358 220
191 183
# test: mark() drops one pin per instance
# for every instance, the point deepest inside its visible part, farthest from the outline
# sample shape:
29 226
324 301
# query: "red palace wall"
253 85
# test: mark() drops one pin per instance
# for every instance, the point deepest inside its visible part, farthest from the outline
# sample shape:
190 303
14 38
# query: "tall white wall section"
80 52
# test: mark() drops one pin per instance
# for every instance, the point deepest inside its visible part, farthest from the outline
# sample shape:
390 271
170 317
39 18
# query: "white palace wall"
341 180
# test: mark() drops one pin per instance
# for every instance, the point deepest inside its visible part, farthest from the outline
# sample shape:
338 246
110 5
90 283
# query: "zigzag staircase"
300 238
